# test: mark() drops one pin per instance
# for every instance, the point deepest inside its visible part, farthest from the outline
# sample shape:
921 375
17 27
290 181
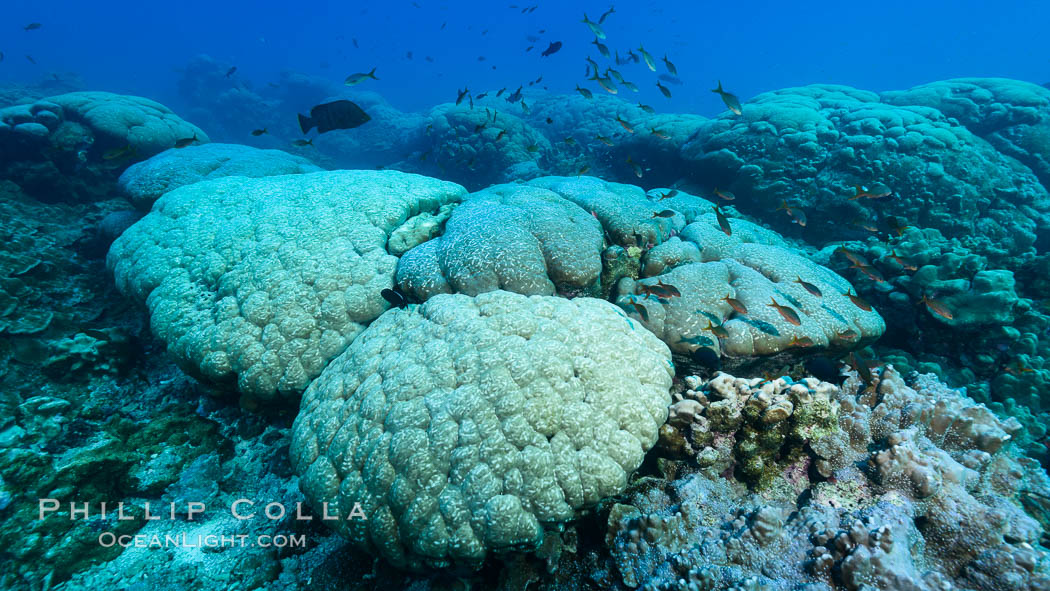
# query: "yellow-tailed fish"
732 103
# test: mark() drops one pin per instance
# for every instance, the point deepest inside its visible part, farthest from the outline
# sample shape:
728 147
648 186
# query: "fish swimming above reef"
341 114
666 91
606 83
258 132
611 10
637 172
812 289
186 141
602 49
119 153
231 71
706 357
937 307
727 195
787 313
719 331
394 298
302 143
598 32
649 61
723 222
515 96
461 94
32 27
671 69
860 192
858 301
735 304
732 103
551 49
584 92
633 306
355 79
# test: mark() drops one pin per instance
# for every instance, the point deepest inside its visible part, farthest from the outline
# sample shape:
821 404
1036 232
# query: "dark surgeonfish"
341 114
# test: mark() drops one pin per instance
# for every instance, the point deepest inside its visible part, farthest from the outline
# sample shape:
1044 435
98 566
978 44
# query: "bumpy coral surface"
466 425
903 487
765 277
119 121
71 147
258 283
478 146
513 237
1013 115
144 182
811 146
546 236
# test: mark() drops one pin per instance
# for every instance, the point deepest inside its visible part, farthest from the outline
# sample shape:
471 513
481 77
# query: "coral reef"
477 147
809 147
520 386
906 487
513 237
467 425
258 283
143 183
71 147
1013 115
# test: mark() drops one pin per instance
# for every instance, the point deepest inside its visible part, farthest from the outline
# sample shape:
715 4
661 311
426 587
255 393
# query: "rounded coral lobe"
466 425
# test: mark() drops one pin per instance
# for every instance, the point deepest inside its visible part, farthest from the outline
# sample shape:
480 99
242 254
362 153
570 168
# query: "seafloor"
555 343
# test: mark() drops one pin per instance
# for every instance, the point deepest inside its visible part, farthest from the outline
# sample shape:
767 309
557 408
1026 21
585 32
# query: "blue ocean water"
753 47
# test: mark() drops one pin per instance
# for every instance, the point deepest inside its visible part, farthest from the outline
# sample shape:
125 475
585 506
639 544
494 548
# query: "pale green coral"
466 425
258 283
757 268
121 121
144 182
512 237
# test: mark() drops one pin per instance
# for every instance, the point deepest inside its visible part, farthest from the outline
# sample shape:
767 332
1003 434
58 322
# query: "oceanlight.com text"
110 539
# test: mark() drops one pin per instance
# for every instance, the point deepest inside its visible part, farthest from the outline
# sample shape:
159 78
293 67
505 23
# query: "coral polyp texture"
812 146
144 182
1013 115
466 426
71 147
745 295
476 146
546 236
513 237
121 121
258 283
903 487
